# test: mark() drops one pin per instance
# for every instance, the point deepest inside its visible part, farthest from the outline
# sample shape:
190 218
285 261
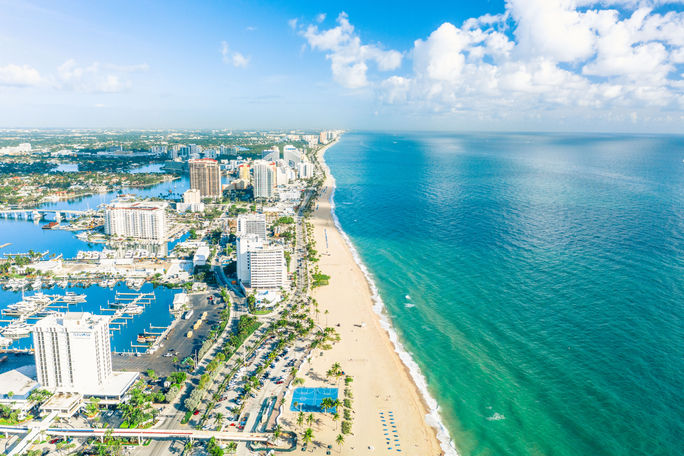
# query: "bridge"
37 214
31 433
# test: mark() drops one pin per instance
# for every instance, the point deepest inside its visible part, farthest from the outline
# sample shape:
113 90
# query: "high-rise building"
305 170
260 266
205 176
137 219
243 245
158 150
292 156
323 138
264 179
72 351
243 171
252 224
271 154
174 151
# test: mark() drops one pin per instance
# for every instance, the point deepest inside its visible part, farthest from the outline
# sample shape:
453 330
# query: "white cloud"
234 58
348 57
95 78
320 18
19 76
564 56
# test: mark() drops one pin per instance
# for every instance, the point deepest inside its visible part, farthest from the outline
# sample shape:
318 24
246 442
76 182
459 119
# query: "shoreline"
423 403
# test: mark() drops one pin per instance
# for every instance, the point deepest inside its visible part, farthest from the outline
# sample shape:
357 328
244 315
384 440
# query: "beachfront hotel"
205 176
73 355
72 351
136 219
259 265
251 224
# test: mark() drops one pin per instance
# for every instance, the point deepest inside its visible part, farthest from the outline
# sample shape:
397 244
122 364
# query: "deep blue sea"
545 282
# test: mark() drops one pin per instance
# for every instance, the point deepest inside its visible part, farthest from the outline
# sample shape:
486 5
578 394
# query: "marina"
132 312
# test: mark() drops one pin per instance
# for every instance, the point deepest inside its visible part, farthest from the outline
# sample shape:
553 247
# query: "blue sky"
480 65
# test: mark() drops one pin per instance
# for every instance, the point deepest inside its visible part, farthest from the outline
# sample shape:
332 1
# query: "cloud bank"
70 76
573 56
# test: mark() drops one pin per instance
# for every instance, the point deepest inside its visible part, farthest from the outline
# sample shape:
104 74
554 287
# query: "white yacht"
72 298
16 330
132 309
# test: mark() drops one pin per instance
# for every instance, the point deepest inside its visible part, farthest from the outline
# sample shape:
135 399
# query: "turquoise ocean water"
537 280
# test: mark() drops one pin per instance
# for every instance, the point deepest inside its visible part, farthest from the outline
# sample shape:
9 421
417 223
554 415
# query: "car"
55 440
232 424
196 412
279 382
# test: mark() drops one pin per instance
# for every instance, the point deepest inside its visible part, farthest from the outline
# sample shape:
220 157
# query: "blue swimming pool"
309 399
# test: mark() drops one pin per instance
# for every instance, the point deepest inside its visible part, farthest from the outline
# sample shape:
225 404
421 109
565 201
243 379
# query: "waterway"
22 236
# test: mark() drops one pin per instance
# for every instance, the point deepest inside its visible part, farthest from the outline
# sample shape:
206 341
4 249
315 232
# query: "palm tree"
340 441
336 418
308 436
276 433
300 418
219 419
310 419
326 404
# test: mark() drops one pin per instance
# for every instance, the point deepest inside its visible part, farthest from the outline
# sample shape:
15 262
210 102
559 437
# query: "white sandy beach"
382 387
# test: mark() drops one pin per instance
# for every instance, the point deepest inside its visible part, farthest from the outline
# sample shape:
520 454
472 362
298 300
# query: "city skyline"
559 65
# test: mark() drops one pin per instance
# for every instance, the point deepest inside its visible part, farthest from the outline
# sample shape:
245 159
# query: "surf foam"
433 417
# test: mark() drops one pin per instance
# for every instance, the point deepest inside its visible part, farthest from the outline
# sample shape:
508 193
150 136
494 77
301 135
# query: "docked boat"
20 308
5 342
39 298
146 338
72 298
16 330
132 309
37 284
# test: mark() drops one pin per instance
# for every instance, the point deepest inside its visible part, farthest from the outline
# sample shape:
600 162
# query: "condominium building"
205 176
260 266
137 219
264 179
251 224
72 351
267 268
